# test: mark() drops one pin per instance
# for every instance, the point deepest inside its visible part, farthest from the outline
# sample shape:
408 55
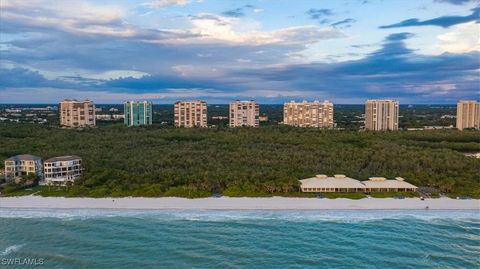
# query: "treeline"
165 161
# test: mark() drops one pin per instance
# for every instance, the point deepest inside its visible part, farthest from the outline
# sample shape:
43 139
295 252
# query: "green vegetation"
268 161
349 195
394 194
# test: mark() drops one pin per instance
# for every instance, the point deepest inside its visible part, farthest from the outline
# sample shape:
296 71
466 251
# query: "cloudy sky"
346 51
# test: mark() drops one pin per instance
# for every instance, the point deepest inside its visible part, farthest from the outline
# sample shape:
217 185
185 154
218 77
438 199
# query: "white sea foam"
244 215
11 249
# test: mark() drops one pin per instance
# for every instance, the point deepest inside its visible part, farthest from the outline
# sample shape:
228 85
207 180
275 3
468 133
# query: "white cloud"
464 38
54 95
165 3
73 16
210 27
196 71
83 18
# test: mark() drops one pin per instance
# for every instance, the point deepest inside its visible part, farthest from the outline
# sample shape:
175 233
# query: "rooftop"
24 157
381 182
76 101
63 158
337 181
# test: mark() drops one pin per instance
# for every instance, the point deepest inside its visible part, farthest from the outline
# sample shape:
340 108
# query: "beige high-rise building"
381 115
468 114
190 114
244 113
74 113
308 114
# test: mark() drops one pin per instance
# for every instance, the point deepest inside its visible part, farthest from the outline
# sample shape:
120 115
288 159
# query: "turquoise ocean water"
239 239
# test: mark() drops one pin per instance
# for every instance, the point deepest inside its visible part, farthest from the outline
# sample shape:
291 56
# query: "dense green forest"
167 161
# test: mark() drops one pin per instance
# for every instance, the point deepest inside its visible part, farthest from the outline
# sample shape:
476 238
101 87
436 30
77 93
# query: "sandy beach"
273 203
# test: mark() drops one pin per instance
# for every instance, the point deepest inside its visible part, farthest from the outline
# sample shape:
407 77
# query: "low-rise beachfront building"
62 170
342 183
22 165
337 183
381 184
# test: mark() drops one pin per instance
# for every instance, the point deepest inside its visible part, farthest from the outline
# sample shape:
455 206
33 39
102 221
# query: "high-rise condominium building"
137 113
381 115
244 113
190 114
468 114
74 113
308 114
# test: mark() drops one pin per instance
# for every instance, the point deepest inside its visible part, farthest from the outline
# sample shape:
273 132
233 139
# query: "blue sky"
346 51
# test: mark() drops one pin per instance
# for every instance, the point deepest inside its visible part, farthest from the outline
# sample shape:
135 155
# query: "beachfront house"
22 165
62 170
342 183
381 184
337 183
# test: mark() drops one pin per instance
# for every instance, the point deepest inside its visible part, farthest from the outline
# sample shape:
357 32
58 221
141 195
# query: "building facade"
468 114
337 183
381 115
381 184
62 171
308 114
244 113
342 183
74 113
22 165
137 113
190 114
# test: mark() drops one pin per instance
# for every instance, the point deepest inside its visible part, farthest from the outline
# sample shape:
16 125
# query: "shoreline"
234 203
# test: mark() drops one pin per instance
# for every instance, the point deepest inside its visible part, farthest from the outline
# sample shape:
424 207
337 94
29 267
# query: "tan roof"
337 181
24 157
381 182
63 158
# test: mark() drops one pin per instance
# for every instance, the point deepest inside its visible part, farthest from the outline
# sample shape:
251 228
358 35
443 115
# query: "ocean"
52 238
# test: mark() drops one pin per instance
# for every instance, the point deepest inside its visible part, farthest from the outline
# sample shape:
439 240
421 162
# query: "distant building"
308 114
103 117
75 113
244 113
263 118
137 113
190 114
381 115
118 116
63 170
22 165
219 118
381 184
468 114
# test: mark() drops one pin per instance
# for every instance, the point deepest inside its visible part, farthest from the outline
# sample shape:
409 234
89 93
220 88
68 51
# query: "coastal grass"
348 195
394 194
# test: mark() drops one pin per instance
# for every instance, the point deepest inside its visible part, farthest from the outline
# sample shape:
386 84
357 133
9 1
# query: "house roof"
24 157
337 181
63 158
381 182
